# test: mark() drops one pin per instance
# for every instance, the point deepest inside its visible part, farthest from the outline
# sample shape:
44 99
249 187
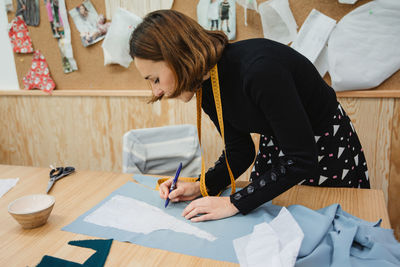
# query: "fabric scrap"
19 36
98 259
39 75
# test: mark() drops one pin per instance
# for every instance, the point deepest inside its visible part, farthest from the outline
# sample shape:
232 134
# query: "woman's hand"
184 191
211 208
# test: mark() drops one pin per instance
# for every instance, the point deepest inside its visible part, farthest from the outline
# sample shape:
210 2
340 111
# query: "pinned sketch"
91 26
132 215
218 15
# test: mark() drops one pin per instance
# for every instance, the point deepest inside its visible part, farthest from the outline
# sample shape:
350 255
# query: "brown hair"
187 48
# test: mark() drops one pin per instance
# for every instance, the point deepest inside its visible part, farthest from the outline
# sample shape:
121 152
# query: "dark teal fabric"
101 246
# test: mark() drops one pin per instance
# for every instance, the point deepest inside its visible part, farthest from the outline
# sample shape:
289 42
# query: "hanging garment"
19 36
39 75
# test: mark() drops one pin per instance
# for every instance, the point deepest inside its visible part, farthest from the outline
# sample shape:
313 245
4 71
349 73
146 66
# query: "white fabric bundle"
363 49
159 150
116 44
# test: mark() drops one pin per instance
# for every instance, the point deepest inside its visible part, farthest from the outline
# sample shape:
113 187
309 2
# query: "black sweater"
270 89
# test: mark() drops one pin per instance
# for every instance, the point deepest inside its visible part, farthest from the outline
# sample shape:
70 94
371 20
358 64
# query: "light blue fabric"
332 237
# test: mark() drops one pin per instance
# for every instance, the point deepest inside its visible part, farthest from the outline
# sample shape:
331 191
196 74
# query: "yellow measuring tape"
218 107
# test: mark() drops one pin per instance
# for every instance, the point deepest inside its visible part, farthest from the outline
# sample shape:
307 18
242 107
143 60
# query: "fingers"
164 188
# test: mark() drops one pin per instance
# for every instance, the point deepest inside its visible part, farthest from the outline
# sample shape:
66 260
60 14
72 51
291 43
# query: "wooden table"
77 193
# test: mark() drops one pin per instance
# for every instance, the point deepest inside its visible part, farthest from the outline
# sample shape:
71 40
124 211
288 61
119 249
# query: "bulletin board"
92 74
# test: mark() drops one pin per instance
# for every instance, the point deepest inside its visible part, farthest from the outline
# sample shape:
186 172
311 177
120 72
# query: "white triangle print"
345 171
340 108
356 160
302 181
352 127
281 154
341 149
366 175
269 161
270 143
319 158
322 179
335 128
316 138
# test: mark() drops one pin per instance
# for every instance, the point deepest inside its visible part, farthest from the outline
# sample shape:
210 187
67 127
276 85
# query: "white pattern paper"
313 35
7 184
132 215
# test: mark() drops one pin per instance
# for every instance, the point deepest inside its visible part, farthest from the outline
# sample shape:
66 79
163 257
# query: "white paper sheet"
8 72
132 215
278 21
274 244
348 1
7 184
313 35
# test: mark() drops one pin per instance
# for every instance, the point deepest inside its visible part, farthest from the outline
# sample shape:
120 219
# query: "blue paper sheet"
332 237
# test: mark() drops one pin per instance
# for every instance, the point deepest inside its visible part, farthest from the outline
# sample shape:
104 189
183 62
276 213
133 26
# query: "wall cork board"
92 73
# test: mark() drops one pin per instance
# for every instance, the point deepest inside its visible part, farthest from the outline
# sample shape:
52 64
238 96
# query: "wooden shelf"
147 93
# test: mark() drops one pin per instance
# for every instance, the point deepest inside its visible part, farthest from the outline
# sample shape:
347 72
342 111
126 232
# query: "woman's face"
161 78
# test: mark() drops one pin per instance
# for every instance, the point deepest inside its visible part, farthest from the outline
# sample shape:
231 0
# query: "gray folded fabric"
160 150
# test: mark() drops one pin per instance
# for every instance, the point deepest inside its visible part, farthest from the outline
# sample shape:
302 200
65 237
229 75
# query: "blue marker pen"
174 183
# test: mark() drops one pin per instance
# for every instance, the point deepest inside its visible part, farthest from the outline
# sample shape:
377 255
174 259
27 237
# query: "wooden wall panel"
86 132
394 180
372 119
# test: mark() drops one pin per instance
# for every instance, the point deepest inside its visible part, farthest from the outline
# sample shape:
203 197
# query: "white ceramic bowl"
32 211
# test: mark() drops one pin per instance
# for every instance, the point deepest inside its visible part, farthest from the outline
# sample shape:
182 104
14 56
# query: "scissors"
58 173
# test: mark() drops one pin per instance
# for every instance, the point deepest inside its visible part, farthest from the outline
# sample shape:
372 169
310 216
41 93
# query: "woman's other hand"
184 191
209 208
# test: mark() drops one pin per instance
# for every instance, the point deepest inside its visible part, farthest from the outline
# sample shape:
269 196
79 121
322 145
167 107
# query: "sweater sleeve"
240 152
272 89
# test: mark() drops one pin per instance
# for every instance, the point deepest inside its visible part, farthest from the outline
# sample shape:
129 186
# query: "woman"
266 88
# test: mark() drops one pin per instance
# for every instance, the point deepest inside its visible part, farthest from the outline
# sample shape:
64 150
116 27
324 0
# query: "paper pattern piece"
137 7
8 5
19 36
8 72
218 15
247 4
116 43
137 216
39 75
275 244
7 184
326 233
313 35
277 21
363 49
